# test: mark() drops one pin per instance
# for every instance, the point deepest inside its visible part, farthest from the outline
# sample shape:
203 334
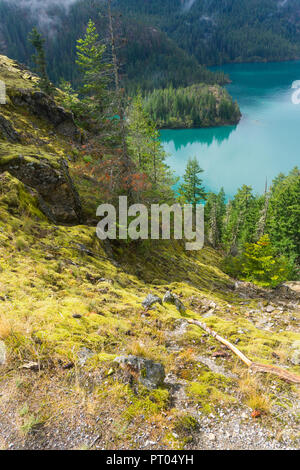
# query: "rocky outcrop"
171 298
57 195
44 107
151 300
7 131
289 289
295 357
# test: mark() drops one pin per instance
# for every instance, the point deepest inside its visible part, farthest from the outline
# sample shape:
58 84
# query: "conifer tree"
259 264
283 219
39 58
95 71
215 209
192 190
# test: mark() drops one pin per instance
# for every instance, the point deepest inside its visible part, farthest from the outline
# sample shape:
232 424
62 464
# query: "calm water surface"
265 142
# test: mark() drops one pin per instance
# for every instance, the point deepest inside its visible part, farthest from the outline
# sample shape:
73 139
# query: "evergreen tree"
241 220
95 71
283 219
215 209
39 58
259 264
192 190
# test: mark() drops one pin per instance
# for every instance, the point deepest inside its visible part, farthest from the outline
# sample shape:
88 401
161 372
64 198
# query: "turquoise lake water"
265 143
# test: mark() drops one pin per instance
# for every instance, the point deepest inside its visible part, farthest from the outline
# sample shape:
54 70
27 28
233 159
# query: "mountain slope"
69 305
150 58
166 40
217 31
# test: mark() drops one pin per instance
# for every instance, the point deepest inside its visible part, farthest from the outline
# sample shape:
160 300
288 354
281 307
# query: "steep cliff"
36 135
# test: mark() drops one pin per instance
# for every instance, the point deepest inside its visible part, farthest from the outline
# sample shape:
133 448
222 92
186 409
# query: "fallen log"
254 366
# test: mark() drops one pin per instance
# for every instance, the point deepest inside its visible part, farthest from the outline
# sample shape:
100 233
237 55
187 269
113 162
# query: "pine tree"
95 71
259 264
283 220
215 209
192 190
241 220
39 59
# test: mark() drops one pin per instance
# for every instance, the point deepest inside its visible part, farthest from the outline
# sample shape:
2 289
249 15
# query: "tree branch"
254 366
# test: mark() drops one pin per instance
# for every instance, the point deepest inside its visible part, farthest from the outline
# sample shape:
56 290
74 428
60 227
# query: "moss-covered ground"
57 298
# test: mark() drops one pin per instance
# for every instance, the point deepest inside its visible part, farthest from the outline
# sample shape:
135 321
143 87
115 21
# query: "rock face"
150 300
289 289
58 197
171 298
34 134
44 107
150 374
2 353
7 131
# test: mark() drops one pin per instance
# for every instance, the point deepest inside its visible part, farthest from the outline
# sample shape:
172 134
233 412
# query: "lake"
264 143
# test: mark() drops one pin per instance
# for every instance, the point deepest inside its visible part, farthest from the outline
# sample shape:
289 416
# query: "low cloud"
187 4
42 10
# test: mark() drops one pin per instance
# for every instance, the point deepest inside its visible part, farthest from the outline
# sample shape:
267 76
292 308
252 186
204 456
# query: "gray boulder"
84 354
150 300
2 353
171 298
149 373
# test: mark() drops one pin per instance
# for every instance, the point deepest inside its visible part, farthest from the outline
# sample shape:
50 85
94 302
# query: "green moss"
185 424
208 391
146 403
45 280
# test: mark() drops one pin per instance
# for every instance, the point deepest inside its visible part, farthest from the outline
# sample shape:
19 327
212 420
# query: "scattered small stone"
211 437
150 443
270 309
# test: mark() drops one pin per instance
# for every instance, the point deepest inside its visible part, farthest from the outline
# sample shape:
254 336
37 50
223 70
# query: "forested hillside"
217 31
165 41
148 57
194 106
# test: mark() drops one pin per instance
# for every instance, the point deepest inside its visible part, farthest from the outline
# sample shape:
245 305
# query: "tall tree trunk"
264 214
120 99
